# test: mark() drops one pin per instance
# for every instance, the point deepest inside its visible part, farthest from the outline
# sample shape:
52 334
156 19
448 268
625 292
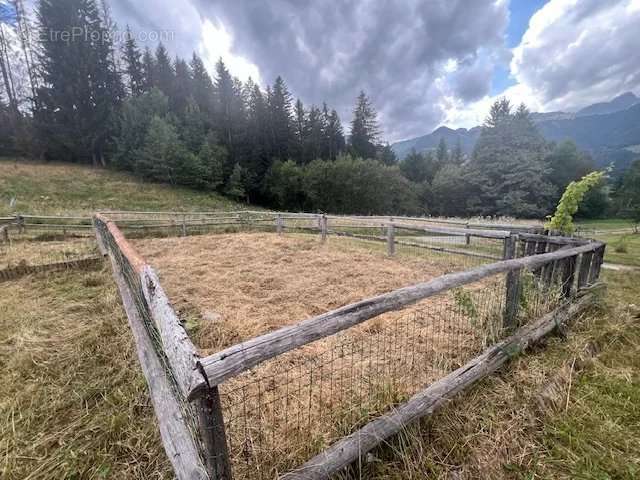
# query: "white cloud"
217 43
578 52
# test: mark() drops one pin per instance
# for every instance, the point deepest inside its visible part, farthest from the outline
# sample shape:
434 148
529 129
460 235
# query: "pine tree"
280 118
364 128
299 125
202 85
182 88
442 154
163 74
235 184
81 88
148 68
224 92
457 156
133 65
335 136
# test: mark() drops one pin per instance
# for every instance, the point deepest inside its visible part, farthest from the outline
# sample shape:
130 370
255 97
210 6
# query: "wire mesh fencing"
278 409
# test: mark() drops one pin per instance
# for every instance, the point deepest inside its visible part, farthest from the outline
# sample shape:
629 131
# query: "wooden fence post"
184 225
512 284
585 268
598 259
467 237
391 240
279 224
213 435
323 228
568 275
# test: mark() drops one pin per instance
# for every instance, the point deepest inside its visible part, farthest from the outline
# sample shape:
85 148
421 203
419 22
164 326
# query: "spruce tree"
163 73
280 119
202 86
80 86
235 185
133 65
442 154
364 128
148 67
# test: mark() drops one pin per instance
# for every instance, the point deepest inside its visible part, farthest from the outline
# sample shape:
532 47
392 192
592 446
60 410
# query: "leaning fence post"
512 283
391 239
213 435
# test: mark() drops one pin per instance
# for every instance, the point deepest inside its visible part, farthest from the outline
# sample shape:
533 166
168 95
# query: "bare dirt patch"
242 285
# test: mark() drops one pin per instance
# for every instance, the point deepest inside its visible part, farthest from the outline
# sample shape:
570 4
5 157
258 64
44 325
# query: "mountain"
430 141
622 102
610 131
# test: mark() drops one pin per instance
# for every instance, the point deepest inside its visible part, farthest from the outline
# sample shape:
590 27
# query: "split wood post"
467 237
323 228
391 240
598 259
512 284
585 268
213 435
279 224
568 275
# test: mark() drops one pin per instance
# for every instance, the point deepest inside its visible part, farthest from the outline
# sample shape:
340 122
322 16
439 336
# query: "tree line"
169 120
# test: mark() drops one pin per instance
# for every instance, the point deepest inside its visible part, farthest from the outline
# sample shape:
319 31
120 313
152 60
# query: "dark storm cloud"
330 50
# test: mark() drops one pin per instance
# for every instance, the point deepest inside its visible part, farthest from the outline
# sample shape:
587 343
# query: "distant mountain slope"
621 102
608 130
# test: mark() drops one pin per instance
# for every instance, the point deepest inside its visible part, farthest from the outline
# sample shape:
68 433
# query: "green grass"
622 248
605 224
46 188
74 403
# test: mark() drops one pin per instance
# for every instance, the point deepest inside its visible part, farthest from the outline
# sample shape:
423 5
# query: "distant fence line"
235 412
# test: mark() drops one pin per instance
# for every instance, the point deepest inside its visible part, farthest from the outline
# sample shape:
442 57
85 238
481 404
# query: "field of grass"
75 405
57 189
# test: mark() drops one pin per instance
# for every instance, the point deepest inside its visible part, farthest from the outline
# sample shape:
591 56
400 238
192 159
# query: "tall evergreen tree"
280 119
202 85
364 128
442 153
81 87
335 136
299 127
148 68
163 73
509 165
182 88
133 65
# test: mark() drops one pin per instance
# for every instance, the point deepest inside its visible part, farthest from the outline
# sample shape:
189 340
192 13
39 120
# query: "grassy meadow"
74 403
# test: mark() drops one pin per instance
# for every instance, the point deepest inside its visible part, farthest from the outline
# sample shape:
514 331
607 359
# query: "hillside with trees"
169 120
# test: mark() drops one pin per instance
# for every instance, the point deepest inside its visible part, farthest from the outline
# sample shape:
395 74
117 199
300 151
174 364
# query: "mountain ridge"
607 130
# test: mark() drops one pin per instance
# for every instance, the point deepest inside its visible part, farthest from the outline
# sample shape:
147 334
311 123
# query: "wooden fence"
217 413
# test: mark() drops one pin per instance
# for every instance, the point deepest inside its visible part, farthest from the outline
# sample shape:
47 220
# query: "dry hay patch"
242 285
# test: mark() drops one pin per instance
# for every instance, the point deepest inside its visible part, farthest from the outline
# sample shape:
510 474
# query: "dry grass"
73 403
32 252
238 286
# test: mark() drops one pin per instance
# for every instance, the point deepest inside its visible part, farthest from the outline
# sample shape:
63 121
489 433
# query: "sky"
424 63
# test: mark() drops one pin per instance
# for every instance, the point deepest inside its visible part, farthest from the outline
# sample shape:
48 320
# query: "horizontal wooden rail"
553 239
495 234
243 356
426 402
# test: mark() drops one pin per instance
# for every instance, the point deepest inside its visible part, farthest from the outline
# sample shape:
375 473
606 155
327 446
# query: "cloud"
396 51
579 52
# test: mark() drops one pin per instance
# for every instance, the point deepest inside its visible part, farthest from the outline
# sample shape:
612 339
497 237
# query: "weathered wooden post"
4 229
598 259
512 283
585 269
279 224
467 237
323 228
213 435
568 275
391 239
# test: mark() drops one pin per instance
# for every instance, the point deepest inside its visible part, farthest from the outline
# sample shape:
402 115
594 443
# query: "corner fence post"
584 270
598 259
391 239
512 284
213 435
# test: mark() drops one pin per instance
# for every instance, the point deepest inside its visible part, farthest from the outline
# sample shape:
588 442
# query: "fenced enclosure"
309 398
